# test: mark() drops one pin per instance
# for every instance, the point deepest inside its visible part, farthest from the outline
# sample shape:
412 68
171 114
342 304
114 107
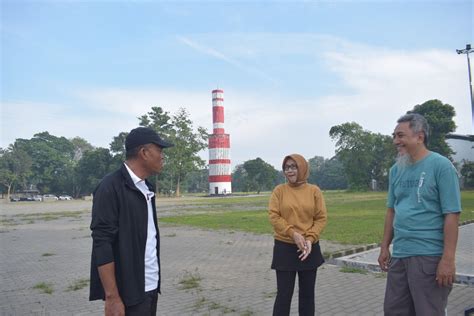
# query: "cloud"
386 84
377 85
214 53
23 119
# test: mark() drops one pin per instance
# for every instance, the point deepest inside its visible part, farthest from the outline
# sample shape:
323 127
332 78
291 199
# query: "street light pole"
466 51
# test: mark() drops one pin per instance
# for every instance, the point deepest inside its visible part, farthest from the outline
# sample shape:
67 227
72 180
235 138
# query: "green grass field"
353 218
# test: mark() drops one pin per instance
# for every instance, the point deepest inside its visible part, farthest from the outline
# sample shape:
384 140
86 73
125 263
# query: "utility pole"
466 51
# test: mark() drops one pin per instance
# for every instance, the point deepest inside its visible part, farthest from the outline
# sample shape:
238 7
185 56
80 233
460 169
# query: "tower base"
218 188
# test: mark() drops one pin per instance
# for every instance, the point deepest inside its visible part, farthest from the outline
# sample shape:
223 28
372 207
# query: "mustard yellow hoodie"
297 207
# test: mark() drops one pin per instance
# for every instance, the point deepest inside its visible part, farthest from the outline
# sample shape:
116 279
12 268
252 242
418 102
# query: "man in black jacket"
125 263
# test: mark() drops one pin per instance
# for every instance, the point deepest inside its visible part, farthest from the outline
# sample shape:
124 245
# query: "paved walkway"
227 273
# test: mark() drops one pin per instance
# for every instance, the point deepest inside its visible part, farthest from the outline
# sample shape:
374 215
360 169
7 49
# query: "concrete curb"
330 258
353 262
351 258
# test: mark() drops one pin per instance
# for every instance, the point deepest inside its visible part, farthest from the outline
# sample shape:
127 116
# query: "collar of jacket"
129 182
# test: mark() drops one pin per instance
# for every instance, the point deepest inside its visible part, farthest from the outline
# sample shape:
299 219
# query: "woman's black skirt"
285 257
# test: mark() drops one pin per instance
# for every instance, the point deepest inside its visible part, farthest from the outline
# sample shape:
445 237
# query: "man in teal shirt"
422 222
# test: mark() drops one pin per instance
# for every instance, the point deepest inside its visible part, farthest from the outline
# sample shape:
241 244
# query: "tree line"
362 160
58 165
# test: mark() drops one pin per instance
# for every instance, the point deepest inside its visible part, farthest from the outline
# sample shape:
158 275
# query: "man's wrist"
384 246
112 296
448 257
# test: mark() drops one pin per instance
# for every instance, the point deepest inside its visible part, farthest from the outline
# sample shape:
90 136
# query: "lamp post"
466 51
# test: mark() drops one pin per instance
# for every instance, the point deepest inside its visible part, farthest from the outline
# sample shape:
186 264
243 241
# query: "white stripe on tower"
220 180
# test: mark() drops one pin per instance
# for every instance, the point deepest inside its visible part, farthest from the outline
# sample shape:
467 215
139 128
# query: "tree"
255 175
239 179
353 150
92 167
315 165
260 175
197 181
15 168
440 118
328 174
183 157
383 158
364 155
117 146
52 161
159 120
80 147
467 171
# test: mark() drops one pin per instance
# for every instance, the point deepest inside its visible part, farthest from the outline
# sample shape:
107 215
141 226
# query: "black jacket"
119 233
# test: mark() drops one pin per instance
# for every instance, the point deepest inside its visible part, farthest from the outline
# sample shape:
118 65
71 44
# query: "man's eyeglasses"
290 167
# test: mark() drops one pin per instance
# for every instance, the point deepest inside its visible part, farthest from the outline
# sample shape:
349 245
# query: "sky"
290 70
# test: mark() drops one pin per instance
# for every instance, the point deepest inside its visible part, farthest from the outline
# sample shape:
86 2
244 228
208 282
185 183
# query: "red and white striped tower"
220 175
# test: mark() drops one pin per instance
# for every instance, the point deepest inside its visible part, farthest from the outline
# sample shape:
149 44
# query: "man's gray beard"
403 161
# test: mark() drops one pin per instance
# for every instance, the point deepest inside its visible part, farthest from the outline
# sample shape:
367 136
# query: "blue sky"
290 69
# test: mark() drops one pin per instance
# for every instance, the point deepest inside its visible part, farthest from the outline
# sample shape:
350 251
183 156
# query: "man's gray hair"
418 124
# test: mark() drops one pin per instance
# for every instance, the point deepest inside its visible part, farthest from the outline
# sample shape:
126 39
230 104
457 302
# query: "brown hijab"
303 169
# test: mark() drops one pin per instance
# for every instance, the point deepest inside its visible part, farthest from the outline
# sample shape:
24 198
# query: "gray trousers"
412 288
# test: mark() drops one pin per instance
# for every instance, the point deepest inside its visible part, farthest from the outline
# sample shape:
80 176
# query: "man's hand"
446 272
114 306
384 258
299 241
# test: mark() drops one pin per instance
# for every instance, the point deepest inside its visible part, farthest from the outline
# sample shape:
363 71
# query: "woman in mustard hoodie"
298 215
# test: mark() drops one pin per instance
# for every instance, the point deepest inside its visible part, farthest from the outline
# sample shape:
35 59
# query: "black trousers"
285 288
145 308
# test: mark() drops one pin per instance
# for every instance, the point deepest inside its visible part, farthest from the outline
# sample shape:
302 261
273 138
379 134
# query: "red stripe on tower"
218 114
220 180
219 141
218 161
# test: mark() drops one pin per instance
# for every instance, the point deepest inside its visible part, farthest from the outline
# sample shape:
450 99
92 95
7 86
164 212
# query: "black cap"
144 135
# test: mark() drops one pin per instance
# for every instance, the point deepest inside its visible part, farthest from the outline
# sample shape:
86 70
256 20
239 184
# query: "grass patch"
214 305
270 294
78 284
352 270
30 218
44 287
223 309
380 275
190 281
200 303
7 221
251 221
48 254
353 217
203 302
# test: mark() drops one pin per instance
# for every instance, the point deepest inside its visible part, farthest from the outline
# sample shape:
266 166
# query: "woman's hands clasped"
304 246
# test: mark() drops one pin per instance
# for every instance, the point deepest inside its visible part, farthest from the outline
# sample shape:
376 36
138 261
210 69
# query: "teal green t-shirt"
421 194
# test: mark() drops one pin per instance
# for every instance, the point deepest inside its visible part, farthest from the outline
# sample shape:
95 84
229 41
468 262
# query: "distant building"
220 173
